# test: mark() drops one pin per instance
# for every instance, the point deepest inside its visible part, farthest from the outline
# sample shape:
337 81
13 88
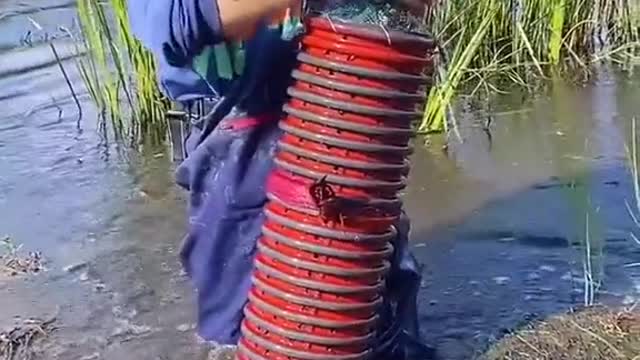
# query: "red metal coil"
304 332
372 36
343 191
327 168
258 344
248 350
294 192
366 158
364 57
393 103
367 225
274 287
346 162
422 80
319 280
379 132
336 134
370 48
322 299
369 184
311 315
301 194
393 97
345 249
241 356
337 275
379 121
301 349
359 80
350 107
395 151
316 261
381 51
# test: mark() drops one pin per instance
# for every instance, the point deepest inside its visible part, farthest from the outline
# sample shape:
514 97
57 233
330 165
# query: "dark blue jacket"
176 31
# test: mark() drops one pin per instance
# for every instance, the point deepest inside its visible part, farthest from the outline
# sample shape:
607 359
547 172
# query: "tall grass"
119 71
484 43
488 43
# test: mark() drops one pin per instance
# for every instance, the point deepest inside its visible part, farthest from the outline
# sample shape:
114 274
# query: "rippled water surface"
497 220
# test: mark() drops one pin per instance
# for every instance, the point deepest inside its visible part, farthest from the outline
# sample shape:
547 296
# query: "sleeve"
176 29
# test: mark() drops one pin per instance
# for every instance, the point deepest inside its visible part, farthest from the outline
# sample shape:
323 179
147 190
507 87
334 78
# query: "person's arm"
180 29
240 18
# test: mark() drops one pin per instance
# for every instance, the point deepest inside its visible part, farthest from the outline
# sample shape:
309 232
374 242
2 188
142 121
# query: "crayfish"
332 207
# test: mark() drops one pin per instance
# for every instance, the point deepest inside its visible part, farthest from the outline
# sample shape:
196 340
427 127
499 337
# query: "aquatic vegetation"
594 333
486 44
17 342
117 70
13 263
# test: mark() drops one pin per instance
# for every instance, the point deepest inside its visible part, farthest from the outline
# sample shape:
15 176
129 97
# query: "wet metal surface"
497 220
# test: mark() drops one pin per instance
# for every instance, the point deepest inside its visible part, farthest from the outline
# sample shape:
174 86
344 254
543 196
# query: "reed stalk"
119 73
521 42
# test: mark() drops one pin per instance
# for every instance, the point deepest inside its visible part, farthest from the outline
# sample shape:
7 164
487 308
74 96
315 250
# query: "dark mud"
498 221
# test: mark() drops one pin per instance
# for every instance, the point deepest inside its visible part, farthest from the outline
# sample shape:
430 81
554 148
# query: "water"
493 217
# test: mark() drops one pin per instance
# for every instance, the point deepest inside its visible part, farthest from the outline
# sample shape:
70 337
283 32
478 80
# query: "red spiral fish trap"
324 254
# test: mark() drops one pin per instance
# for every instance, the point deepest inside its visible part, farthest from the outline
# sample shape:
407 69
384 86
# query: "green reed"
119 73
488 43
484 44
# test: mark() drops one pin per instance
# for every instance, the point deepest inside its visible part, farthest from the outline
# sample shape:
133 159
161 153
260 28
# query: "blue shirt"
180 33
176 31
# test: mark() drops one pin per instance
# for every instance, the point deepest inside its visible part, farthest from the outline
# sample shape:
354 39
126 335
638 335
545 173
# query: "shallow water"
497 221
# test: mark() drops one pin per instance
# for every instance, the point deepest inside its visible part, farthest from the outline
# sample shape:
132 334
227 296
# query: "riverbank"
595 333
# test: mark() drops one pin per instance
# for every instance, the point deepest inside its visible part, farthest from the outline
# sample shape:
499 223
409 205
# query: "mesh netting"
387 13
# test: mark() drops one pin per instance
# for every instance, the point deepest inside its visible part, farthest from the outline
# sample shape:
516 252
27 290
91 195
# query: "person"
229 67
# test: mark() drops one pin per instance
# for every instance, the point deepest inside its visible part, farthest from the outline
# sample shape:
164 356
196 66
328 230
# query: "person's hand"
240 18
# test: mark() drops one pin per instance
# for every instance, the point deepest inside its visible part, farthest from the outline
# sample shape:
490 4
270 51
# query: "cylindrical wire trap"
320 273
